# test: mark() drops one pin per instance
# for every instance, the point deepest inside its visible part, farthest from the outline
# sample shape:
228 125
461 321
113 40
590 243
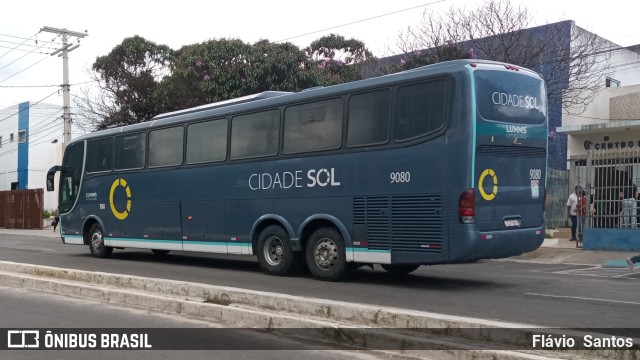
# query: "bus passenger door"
203 226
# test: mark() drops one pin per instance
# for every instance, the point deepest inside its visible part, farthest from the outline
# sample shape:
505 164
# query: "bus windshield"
508 96
70 176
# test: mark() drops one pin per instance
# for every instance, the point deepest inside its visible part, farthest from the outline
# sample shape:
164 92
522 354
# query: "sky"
32 76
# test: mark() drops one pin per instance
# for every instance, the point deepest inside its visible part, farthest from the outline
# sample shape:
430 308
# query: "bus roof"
219 104
268 99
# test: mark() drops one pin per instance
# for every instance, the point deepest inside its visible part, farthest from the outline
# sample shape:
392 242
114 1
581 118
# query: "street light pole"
65 49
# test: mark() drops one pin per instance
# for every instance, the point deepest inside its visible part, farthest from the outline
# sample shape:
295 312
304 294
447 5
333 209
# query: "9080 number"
400 177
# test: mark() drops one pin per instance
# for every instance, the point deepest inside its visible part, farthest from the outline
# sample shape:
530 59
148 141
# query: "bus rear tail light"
467 207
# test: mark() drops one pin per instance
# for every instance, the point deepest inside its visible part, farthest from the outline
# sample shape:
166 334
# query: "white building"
30 143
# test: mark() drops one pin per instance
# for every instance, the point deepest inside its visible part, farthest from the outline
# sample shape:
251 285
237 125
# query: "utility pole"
65 49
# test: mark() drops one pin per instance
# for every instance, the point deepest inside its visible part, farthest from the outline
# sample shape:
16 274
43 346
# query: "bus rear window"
511 97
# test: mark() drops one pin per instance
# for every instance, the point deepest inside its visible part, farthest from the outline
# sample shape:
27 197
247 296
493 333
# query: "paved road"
538 294
26 309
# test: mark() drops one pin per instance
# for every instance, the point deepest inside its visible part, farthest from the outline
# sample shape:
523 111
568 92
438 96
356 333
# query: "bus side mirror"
51 176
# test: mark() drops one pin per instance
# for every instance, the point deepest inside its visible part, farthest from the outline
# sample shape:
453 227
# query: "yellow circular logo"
120 215
491 173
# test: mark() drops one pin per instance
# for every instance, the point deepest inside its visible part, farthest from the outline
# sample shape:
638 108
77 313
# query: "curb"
357 325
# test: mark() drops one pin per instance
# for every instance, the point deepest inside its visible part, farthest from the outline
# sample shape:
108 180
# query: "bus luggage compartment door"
203 227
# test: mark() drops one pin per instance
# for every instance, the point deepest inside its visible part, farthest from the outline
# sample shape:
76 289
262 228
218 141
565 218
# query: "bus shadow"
419 280
177 258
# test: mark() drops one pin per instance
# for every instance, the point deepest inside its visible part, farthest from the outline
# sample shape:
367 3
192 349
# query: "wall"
27 163
598 111
625 107
8 149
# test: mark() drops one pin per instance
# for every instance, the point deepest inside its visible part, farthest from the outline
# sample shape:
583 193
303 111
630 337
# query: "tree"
573 63
223 69
128 79
139 79
341 59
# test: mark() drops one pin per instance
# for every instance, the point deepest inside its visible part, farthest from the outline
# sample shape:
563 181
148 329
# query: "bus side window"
420 109
165 146
99 155
207 141
130 151
313 126
255 135
368 120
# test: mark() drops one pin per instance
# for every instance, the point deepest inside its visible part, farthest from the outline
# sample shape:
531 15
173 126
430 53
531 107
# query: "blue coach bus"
441 164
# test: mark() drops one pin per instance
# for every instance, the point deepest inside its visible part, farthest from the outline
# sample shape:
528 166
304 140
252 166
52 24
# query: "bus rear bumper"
498 244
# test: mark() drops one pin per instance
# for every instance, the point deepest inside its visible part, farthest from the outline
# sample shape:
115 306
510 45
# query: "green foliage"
222 69
46 213
144 79
130 73
340 59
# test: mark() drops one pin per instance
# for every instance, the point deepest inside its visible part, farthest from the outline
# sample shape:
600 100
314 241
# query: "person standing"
633 262
572 211
581 212
638 208
628 206
56 219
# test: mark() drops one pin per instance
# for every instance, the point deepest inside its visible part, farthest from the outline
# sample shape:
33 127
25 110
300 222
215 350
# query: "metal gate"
610 179
22 209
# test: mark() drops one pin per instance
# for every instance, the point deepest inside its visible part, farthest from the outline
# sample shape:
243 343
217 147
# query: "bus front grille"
410 223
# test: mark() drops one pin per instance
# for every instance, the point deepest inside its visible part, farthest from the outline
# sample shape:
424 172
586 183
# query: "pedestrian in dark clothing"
56 219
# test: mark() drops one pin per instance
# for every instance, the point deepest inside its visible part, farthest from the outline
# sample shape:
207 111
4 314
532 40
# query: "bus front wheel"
399 269
325 253
275 254
96 242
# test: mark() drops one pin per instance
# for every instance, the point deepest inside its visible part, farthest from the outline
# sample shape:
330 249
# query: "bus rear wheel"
160 252
96 242
275 254
399 269
325 254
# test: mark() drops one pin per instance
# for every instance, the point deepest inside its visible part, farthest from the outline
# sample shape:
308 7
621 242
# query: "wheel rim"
97 242
326 254
273 250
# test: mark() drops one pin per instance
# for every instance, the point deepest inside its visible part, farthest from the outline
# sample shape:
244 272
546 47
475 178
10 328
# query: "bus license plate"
512 223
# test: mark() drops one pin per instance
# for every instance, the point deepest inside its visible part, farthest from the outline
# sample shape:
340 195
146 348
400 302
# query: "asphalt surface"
520 291
24 309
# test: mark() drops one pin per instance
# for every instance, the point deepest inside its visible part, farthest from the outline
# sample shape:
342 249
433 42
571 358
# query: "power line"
30 45
30 105
31 143
28 67
1 56
32 132
26 86
24 50
64 53
362 20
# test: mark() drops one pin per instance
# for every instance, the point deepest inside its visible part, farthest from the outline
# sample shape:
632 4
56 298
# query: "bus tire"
399 269
160 252
325 254
96 242
275 254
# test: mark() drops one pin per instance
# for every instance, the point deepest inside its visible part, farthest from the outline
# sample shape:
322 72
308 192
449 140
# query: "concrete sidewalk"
552 251
563 251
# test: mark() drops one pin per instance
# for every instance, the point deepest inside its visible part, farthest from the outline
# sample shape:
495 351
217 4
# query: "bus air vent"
410 223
